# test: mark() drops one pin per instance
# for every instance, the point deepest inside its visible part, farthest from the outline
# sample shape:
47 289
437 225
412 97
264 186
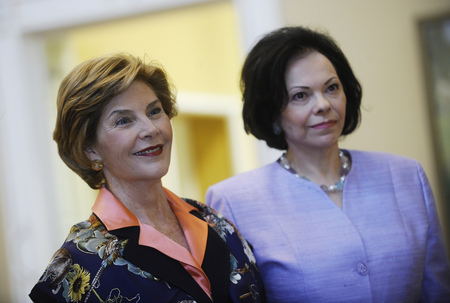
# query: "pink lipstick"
151 151
324 125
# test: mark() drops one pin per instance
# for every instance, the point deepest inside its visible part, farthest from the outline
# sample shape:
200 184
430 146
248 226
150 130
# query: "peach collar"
116 215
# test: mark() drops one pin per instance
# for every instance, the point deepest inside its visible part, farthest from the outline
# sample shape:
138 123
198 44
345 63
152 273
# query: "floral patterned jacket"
96 265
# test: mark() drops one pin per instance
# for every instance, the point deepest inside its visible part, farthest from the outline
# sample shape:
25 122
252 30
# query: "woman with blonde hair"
142 242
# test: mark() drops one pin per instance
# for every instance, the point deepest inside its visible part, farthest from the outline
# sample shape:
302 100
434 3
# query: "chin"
160 173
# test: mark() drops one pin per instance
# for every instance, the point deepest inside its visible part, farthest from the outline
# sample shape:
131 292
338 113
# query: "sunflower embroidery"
78 280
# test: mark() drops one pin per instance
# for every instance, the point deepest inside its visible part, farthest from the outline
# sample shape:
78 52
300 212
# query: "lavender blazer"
385 245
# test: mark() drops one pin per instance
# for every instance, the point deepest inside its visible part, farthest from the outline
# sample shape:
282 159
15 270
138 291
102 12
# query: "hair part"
87 90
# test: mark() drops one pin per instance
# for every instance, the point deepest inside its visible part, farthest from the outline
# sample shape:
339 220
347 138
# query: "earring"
97 165
276 129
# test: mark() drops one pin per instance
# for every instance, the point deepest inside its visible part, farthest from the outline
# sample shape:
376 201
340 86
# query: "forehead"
309 67
137 95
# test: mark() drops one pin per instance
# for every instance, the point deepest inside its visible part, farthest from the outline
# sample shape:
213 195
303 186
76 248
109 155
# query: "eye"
299 96
122 121
155 111
333 87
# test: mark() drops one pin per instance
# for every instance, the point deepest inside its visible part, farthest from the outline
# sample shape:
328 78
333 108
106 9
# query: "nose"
322 104
148 129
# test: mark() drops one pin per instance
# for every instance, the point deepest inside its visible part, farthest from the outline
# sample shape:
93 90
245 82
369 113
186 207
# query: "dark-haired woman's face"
315 113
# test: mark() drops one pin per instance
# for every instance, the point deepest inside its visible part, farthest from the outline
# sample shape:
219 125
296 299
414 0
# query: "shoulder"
379 167
88 244
242 259
381 159
246 180
377 156
215 220
86 229
87 248
225 229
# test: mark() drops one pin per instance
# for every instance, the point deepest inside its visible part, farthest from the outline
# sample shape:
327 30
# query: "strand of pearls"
338 186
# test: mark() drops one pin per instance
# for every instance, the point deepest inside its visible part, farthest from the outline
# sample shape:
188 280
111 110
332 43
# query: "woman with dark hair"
327 224
142 242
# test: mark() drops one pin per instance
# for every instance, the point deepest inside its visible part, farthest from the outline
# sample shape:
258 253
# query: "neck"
321 167
147 201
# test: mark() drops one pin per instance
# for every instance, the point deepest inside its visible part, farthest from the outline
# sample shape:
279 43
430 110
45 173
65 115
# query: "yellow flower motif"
78 283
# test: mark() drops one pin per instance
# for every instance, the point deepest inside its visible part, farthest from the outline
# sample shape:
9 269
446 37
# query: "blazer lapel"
159 265
216 264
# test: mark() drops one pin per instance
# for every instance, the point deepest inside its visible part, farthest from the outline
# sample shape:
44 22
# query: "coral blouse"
115 215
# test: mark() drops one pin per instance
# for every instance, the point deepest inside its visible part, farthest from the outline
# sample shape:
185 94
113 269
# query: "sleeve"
37 295
52 284
436 277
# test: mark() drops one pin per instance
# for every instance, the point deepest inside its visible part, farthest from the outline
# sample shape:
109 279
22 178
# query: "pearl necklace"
337 187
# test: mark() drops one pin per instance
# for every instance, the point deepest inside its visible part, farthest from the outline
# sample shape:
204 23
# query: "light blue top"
385 245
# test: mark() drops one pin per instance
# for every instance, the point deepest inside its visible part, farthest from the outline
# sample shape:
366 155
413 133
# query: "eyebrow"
152 104
307 87
127 111
331 79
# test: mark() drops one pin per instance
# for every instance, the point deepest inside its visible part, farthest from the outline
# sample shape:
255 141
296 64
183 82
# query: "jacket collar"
216 264
216 260
116 215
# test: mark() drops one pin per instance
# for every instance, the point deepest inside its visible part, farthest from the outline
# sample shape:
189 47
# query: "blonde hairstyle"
87 90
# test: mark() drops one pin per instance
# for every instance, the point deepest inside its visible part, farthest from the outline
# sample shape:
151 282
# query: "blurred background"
201 44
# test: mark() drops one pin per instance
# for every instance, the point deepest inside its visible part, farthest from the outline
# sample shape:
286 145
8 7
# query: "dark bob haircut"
263 84
87 90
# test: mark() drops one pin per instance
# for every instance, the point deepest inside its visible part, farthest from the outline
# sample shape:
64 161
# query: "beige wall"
379 37
381 40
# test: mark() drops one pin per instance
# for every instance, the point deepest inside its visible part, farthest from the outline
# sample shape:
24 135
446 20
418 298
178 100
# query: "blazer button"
362 269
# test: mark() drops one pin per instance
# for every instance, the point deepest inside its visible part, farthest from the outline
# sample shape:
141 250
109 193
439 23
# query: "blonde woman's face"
134 137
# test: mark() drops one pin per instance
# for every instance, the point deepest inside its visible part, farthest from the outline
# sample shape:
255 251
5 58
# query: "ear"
91 153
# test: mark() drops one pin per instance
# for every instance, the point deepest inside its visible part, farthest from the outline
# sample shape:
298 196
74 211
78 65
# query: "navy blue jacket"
97 265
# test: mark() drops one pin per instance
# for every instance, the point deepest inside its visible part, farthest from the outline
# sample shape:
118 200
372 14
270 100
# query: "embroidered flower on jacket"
78 280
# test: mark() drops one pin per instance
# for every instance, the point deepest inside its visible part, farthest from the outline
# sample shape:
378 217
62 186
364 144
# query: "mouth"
150 151
325 124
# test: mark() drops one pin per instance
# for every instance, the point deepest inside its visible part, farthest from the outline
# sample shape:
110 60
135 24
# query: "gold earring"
97 165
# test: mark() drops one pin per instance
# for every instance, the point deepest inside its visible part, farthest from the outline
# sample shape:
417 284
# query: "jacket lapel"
159 265
216 265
